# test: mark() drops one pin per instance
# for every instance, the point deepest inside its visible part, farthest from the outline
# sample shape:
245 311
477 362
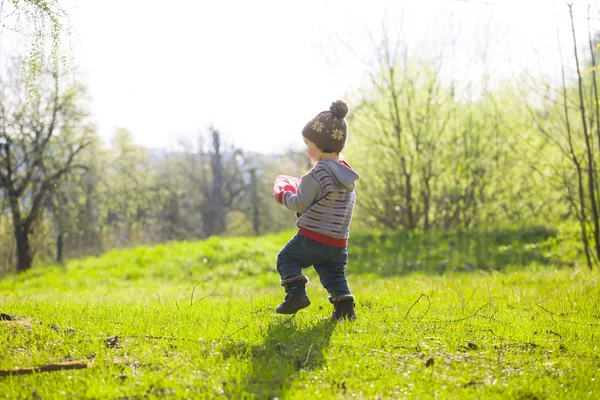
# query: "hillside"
196 320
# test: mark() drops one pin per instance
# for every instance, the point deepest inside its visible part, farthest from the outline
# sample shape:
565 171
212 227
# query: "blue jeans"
329 262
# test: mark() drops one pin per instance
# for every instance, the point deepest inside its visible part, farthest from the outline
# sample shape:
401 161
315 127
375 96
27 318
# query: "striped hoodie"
324 202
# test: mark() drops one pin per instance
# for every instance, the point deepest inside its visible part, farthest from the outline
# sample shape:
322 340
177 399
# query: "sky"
259 71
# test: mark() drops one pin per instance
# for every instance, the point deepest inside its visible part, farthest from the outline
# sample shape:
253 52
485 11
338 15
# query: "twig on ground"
467 317
469 299
307 355
426 311
45 368
551 332
425 329
508 344
239 330
192 296
491 318
548 311
565 320
202 298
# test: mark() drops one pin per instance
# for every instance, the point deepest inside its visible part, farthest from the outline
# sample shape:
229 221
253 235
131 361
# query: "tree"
128 190
434 151
226 187
568 118
37 21
40 141
400 120
72 206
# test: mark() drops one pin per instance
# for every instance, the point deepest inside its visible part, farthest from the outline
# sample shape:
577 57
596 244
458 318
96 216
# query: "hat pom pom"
339 108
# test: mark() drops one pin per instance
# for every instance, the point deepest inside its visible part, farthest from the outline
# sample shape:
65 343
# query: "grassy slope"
518 333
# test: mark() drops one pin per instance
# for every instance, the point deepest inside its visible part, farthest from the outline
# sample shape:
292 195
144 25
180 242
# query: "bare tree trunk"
21 229
94 231
24 253
597 109
60 248
590 164
593 59
217 189
395 111
255 203
581 216
426 199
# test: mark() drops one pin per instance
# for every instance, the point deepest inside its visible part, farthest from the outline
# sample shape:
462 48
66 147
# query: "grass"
196 320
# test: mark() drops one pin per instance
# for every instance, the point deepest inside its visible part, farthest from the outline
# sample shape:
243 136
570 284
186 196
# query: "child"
324 201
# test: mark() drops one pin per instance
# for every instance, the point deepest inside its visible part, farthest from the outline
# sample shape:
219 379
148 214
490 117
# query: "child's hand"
284 183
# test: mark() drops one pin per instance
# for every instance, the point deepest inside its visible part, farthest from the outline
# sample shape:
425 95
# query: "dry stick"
192 296
153 337
507 344
159 337
45 368
566 320
239 330
550 331
491 318
467 317
411 307
425 329
62 366
548 311
469 299
307 355
579 323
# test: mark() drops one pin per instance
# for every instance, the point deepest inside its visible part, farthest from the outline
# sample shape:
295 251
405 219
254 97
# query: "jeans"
329 262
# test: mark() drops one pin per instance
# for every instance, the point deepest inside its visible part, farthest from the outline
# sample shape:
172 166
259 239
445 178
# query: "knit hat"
328 130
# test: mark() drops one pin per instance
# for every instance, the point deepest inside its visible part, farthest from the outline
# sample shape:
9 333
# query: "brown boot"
295 298
343 307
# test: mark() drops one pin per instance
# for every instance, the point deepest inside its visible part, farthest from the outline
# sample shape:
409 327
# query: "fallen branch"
45 368
111 341
160 337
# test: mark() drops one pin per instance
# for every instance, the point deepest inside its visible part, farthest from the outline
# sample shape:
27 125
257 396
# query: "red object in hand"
289 188
284 183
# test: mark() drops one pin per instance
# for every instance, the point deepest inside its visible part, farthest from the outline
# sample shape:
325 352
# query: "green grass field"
502 314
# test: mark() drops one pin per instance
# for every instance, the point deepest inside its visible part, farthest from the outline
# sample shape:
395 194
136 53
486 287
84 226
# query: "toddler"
323 200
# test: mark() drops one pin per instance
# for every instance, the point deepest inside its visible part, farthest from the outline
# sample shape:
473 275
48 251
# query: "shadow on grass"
286 352
437 252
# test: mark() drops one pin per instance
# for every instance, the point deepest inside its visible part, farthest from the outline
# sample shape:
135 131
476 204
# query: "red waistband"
321 238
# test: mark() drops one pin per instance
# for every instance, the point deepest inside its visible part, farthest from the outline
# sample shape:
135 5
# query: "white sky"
259 70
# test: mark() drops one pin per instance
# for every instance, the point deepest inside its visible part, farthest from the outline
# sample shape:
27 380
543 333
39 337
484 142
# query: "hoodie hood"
342 173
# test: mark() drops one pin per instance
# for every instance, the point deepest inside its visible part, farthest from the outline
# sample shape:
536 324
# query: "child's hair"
329 130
